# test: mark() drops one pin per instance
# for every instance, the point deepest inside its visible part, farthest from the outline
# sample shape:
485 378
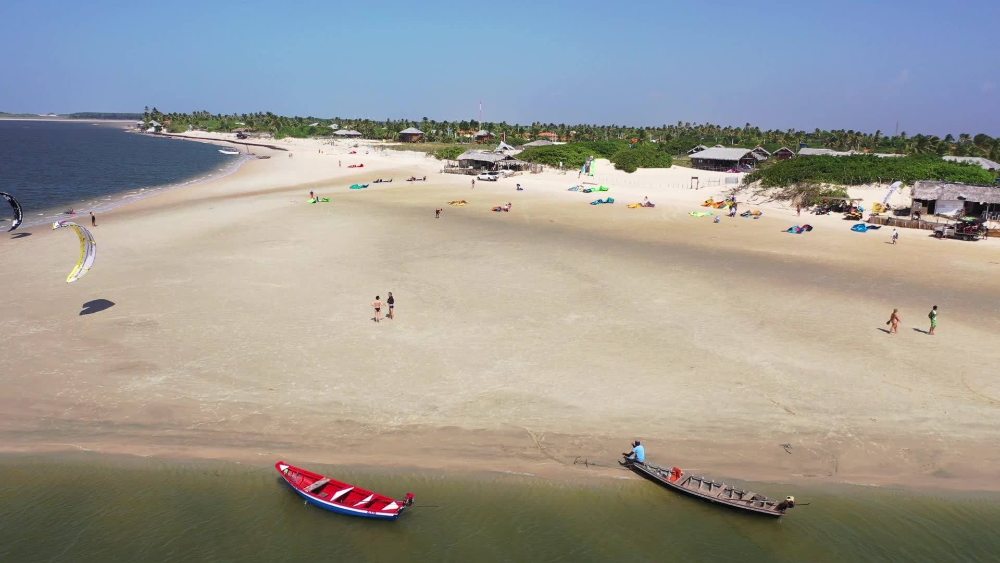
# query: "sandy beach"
537 341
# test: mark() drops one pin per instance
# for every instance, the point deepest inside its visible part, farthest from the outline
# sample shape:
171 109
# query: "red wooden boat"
343 498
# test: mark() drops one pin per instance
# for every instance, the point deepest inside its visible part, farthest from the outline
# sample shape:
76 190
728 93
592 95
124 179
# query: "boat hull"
340 497
650 473
346 511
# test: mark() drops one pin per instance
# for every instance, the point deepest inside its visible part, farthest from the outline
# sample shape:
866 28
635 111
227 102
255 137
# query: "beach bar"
478 161
944 198
724 158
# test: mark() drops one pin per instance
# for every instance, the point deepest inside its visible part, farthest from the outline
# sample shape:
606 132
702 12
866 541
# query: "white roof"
539 143
411 131
807 151
977 160
722 153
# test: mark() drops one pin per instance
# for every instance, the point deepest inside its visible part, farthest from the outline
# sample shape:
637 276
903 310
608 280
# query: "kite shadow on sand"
96 306
20 235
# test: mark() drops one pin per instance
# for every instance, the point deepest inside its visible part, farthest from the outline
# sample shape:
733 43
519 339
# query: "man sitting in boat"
784 505
638 453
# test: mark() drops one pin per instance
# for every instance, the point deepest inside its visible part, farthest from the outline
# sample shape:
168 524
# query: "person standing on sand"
933 317
377 305
893 321
473 183
93 219
894 237
437 213
391 302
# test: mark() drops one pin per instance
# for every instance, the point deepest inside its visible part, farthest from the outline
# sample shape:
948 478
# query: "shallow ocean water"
52 166
104 508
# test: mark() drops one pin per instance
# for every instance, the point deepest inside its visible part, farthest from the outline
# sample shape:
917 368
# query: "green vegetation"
449 152
866 169
571 155
673 139
641 156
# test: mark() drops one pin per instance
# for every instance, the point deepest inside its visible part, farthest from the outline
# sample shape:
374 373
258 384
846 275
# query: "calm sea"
54 166
100 508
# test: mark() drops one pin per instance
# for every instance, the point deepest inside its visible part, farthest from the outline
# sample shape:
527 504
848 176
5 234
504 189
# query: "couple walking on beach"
894 321
377 305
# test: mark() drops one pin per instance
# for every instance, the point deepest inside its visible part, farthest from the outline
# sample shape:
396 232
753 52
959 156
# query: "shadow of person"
96 306
922 331
20 235
885 330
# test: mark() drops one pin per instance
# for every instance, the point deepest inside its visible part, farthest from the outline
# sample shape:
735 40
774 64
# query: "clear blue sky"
933 66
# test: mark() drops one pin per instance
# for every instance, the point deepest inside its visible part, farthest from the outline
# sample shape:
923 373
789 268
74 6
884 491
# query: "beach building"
985 163
482 136
548 136
411 135
944 198
761 152
784 153
725 158
538 143
808 151
347 133
486 160
698 148
505 148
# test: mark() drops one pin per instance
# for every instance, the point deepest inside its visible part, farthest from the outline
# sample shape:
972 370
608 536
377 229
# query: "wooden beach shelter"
411 135
952 199
724 158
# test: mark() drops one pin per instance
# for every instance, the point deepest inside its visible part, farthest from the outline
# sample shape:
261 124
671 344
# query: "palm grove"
643 147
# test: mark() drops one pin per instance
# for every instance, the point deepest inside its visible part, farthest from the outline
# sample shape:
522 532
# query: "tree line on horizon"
675 138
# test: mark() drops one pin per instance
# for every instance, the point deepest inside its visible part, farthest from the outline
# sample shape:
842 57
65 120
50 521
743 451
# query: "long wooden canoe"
706 489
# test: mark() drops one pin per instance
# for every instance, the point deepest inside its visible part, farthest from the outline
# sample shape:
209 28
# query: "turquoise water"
99 508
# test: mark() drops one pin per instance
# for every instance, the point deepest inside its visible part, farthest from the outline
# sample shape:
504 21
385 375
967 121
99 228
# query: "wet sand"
537 341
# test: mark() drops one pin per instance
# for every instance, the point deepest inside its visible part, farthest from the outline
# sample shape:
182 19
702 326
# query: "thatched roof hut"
411 135
946 198
724 158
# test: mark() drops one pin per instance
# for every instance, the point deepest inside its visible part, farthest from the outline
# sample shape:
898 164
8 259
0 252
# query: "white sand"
524 340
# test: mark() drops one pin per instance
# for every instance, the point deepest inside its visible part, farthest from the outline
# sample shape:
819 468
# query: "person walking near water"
377 305
391 302
893 321
93 219
933 317
473 183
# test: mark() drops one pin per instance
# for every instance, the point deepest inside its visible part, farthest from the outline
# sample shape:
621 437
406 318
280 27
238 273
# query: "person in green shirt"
933 317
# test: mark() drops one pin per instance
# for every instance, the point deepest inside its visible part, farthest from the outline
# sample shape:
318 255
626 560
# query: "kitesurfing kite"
88 250
16 207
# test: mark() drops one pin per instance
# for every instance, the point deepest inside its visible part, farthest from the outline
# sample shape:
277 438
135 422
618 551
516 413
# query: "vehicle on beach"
966 228
488 176
342 498
705 489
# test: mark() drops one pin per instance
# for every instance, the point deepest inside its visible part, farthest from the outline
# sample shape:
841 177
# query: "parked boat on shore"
342 498
706 489
229 151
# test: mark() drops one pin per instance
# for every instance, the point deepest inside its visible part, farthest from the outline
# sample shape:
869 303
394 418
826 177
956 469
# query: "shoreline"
163 378
111 201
